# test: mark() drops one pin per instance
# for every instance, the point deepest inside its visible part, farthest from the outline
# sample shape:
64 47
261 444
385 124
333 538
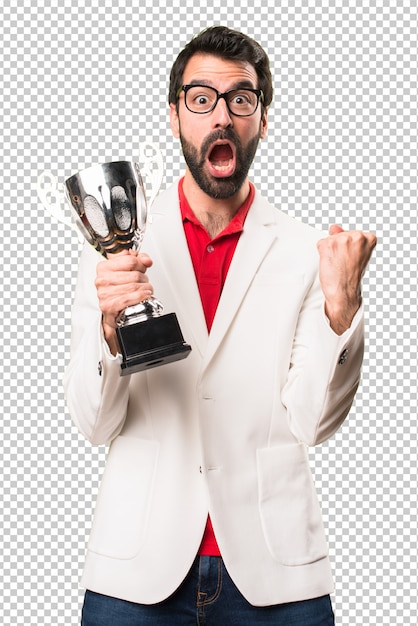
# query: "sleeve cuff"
354 323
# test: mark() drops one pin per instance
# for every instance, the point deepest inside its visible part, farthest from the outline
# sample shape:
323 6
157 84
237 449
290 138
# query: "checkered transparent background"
84 82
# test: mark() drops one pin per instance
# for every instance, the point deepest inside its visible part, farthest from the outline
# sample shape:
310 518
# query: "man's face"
218 147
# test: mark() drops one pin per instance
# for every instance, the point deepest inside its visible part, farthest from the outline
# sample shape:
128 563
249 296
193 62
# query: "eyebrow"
241 84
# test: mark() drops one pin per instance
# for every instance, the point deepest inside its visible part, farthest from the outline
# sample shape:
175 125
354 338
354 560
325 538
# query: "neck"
214 214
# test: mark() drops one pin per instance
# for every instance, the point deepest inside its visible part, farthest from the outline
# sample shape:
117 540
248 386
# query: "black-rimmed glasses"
202 99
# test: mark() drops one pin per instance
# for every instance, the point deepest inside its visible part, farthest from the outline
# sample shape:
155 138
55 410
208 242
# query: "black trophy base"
153 342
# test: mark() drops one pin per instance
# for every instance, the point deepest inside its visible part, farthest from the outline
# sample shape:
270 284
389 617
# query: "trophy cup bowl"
109 207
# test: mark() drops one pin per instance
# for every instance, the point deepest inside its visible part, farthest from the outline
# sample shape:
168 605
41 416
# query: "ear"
174 121
264 124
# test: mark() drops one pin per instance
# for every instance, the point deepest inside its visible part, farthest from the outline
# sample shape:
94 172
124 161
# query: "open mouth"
221 159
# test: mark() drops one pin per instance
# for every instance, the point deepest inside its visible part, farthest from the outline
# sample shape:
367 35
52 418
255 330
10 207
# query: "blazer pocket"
123 504
290 513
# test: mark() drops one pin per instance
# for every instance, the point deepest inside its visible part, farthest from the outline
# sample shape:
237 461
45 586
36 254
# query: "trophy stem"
141 312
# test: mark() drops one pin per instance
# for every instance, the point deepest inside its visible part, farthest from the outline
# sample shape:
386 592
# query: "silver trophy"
109 207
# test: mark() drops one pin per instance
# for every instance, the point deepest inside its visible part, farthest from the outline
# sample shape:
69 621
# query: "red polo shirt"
211 259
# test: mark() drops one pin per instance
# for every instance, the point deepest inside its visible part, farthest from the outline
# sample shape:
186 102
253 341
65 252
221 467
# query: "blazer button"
343 357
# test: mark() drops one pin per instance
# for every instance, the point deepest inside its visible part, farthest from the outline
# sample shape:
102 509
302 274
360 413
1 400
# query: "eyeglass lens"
203 99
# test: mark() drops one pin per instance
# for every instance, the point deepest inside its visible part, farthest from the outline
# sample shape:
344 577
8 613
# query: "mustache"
219 135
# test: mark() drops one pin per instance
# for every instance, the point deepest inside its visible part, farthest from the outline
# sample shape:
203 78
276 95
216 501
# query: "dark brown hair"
227 44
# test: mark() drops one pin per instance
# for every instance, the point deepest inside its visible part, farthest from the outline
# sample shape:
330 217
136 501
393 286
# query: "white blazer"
222 432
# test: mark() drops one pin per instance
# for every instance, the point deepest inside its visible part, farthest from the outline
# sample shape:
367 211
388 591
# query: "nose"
221 115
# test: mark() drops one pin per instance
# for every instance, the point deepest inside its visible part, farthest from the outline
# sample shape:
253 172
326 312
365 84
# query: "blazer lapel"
253 245
167 232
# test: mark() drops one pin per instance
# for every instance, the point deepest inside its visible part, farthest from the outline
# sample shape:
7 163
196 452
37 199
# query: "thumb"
334 229
145 259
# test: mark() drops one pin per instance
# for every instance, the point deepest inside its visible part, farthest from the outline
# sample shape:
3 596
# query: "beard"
219 188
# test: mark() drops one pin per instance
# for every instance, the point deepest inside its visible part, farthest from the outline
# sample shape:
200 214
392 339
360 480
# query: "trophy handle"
52 196
152 166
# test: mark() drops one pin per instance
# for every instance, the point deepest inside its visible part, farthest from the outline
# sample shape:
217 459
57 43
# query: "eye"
242 98
200 99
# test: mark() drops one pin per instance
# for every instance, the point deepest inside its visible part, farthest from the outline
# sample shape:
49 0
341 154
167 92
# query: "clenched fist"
344 256
121 281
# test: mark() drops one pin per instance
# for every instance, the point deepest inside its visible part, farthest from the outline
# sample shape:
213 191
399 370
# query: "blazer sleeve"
324 371
96 394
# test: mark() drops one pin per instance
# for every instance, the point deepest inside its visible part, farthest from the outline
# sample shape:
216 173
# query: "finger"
112 279
142 256
125 263
335 229
117 301
372 239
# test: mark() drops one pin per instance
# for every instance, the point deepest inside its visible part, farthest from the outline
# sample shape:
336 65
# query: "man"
207 512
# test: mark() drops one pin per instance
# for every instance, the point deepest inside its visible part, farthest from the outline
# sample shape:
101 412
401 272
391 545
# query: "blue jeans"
207 597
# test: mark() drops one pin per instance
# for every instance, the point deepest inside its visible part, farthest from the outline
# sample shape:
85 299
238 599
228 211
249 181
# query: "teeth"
220 168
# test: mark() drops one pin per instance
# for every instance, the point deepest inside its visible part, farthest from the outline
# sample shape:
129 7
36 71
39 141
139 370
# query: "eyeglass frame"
258 92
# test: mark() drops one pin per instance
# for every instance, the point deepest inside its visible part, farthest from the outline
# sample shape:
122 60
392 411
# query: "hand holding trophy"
109 207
